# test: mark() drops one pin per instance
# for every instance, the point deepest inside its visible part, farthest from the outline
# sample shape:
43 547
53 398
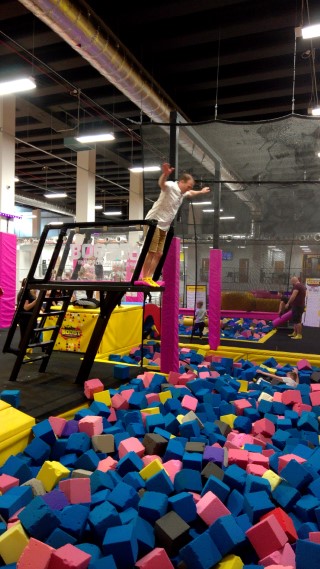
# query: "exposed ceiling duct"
91 38
25 199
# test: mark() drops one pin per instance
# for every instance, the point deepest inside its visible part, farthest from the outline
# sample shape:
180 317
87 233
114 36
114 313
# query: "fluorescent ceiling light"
185 247
316 112
112 213
54 196
311 31
16 179
201 203
95 137
98 207
138 169
16 86
208 210
227 217
56 223
28 214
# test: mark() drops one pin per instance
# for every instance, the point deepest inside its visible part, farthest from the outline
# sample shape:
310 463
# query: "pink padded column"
215 271
170 309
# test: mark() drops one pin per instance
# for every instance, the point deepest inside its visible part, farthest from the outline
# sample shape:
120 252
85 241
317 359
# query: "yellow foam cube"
230 562
268 369
273 478
50 473
243 385
229 419
151 469
151 410
12 543
103 397
165 395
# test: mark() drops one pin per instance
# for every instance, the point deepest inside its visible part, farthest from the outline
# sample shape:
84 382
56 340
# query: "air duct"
93 40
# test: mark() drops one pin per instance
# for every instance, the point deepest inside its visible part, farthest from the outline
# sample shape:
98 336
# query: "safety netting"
265 181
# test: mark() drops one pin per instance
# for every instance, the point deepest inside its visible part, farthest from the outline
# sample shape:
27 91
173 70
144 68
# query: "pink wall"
8 256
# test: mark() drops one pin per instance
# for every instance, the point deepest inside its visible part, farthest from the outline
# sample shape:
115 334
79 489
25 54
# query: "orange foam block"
267 536
36 555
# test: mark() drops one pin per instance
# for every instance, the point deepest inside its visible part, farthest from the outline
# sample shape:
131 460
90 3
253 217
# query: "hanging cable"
217 80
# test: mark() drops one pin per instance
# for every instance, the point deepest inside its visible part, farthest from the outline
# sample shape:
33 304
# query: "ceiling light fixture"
16 179
112 213
227 217
201 203
16 85
139 169
103 137
316 112
310 31
98 207
55 196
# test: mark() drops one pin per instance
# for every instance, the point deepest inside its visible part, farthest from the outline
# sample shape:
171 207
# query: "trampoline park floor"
55 391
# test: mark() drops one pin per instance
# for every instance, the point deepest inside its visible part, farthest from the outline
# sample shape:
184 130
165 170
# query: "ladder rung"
37 344
35 359
46 329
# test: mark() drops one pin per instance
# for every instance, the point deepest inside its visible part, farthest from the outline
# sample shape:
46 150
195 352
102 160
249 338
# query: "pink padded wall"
8 256
215 271
170 310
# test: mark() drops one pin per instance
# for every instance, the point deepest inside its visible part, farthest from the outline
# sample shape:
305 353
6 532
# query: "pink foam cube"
69 557
267 536
172 467
107 464
189 402
284 557
152 397
256 469
239 457
132 444
210 508
77 490
264 427
126 393
291 396
36 555
92 425
92 386
113 416
173 377
7 482
258 458
315 398
148 458
240 405
284 459
303 364
57 425
119 402
314 536
156 559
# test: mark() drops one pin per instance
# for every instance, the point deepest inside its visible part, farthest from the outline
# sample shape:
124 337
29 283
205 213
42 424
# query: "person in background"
296 303
164 211
27 308
282 305
291 379
199 319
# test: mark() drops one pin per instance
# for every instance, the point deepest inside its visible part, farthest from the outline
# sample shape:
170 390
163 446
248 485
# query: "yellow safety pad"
243 385
12 543
151 469
50 473
122 333
15 431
